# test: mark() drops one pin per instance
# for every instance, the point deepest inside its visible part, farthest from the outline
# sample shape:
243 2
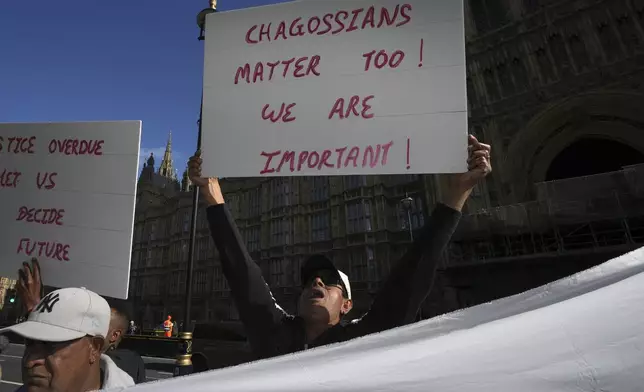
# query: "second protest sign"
68 193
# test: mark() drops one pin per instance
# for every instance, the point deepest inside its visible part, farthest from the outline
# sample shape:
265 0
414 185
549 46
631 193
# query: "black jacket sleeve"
411 279
257 308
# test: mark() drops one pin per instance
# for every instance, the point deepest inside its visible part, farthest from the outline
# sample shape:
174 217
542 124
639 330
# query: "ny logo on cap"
47 303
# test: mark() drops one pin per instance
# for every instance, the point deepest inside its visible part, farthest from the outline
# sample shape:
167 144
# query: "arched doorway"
614 118
592 155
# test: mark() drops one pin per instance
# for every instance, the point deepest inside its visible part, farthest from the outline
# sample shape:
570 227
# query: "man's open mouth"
317 293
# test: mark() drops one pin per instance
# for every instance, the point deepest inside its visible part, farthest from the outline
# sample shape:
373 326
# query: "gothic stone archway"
614 116
580 158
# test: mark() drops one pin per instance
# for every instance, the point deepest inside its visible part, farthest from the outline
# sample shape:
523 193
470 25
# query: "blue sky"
79 60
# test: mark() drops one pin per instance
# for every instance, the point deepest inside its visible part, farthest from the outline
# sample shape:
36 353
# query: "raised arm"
257 308
29 286
412 278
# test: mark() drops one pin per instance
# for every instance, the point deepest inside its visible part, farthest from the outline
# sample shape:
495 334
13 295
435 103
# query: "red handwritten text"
265 71
382 59
76 147
369 156
43 216
52 250
331 23
353 106
9 179
285 114
46 180
18 145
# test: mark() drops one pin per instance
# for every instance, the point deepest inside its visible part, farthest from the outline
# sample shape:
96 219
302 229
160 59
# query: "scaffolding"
577 214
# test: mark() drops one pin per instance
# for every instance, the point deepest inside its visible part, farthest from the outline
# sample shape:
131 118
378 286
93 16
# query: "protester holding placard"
326 296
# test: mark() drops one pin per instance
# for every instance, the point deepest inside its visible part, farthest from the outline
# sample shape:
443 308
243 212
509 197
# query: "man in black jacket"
326 297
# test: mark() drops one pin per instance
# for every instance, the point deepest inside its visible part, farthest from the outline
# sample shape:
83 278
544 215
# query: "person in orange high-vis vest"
167 327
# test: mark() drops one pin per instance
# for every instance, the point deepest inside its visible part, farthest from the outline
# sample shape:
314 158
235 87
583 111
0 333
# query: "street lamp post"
183 363
201 22
201 18
406 203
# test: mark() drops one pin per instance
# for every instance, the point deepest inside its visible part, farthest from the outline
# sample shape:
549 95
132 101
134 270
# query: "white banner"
334 88
68 193
582 334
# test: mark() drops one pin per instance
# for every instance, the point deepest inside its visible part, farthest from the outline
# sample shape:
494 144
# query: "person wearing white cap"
326 295
30 289
64 337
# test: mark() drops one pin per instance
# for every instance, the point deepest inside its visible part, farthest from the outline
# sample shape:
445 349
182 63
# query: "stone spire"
186 184
166 168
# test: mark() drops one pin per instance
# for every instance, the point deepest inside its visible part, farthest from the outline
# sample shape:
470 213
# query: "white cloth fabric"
583 333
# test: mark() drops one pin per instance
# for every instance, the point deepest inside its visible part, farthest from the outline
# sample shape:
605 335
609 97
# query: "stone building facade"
554 85
545 74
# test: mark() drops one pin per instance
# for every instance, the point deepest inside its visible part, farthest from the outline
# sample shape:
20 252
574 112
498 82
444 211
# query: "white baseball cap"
64 315
347 284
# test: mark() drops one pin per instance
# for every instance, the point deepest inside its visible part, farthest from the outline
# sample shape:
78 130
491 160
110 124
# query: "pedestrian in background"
132 329
326 296
167 327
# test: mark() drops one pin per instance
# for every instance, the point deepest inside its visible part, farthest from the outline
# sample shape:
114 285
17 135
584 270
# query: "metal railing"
578 213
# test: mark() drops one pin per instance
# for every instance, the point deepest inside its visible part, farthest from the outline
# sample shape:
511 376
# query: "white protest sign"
68 192
583 333
335 88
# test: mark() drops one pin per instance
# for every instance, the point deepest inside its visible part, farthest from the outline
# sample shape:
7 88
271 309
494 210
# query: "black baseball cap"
317 263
